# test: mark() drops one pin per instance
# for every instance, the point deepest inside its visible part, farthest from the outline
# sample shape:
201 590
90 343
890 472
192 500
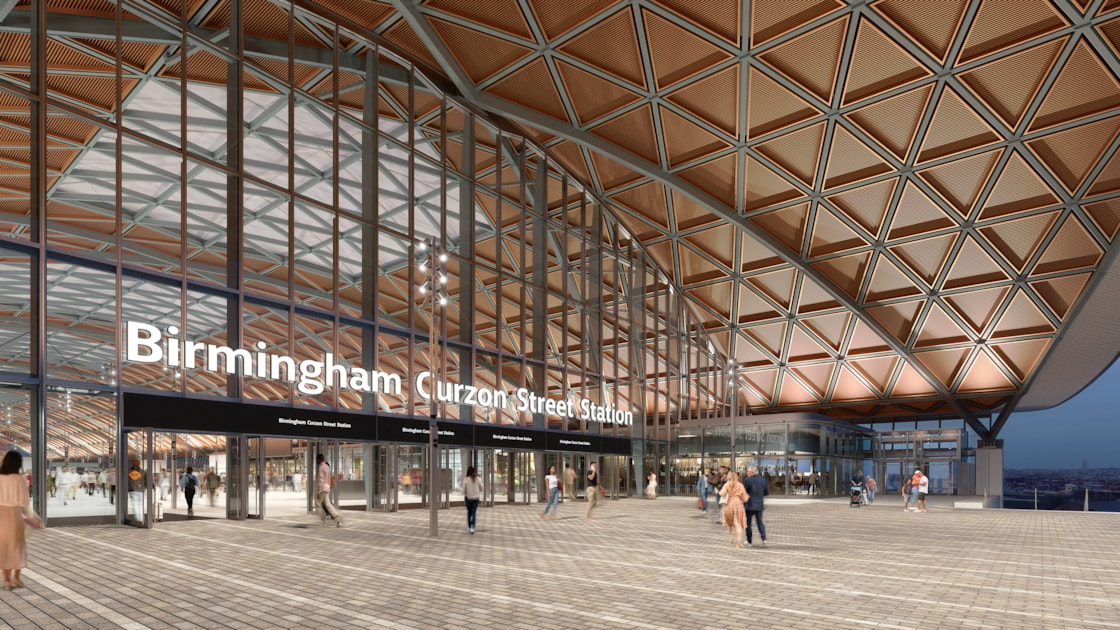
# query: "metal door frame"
124 464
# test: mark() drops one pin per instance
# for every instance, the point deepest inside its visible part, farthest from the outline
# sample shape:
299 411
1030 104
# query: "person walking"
15 510
915 481
734 517
137 485
923 490
472 494
756 488
702 490
324 481
569 482
188 482
213 482
906 495
552 486
593 496
63 482
872 486
717 480
651 485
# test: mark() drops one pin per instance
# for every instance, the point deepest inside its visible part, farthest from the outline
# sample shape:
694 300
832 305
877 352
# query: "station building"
659 236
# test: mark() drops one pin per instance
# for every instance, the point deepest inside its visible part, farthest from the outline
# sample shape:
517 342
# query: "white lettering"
150 343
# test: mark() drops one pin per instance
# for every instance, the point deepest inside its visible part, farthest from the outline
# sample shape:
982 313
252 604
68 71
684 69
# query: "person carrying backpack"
213 482
188 482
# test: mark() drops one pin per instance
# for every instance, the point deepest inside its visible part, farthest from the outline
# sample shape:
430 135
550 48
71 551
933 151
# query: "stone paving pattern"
641 564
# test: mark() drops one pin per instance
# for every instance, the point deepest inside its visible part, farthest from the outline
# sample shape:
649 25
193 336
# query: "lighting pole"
733 386
433 261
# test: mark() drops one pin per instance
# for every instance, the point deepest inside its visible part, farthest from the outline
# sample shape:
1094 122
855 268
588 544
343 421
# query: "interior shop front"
797 453
258 461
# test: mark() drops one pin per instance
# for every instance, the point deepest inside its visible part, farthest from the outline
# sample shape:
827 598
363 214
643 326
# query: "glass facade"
798 456
267 189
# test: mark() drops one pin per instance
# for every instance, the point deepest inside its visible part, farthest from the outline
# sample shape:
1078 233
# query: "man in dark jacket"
716 481
756 489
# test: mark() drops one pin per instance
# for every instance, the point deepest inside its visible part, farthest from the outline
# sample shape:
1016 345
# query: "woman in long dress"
15 508
734 516
651 486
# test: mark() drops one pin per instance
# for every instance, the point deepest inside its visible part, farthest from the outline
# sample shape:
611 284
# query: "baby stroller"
857 497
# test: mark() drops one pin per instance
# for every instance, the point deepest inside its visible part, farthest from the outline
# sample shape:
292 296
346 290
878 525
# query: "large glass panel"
413 470
207 323
314 339
81 323
314 256
266 241
313 151
265 127
15 312
154 107
81 450
207 223
15 183
351 264
151 206
208 70
205 455
146 304
81 211
268 327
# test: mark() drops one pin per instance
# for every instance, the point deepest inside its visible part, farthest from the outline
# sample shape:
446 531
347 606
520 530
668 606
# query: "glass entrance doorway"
155 478
515 477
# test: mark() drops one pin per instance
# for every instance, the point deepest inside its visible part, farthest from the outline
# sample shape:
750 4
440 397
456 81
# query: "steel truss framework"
881 209
124 200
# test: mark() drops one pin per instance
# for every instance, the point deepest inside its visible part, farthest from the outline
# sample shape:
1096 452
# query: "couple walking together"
743 503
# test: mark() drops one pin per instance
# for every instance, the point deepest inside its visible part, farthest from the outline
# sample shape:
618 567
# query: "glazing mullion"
336 182
291 192
37 412
370 231
467 237
235 190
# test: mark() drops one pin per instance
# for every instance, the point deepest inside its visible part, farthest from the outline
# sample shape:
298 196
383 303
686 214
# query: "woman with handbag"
15 510
734 515
552 482
702 490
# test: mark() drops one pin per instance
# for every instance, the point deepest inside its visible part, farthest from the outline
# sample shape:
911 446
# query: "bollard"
1036 498
1086 499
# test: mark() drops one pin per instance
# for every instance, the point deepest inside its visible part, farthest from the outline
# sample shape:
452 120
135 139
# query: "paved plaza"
641 564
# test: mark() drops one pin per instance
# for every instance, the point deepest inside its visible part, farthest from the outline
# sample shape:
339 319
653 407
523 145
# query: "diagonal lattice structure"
879 209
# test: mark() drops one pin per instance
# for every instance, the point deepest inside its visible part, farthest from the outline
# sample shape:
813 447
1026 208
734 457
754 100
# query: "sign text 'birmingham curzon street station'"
147 344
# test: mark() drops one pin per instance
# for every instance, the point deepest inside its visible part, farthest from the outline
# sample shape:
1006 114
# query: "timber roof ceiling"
893 207
885 208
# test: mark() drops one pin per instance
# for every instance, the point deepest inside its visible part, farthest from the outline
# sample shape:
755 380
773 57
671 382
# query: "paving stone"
640 565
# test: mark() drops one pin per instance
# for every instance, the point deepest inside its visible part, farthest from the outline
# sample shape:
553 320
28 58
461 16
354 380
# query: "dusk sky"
1086 427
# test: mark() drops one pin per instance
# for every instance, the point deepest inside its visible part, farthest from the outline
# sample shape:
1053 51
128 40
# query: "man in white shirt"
923 490
64 480
324 480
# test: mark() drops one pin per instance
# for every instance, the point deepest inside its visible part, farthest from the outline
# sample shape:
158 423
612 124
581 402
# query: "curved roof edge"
1089 346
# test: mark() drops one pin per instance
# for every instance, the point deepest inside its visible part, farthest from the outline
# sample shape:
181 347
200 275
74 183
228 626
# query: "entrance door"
616 477
136 488
412 461
388 476
523 472
484 464
258 477
205 456
453 469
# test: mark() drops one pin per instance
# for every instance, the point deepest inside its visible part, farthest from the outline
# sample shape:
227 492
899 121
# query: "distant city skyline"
1084 428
